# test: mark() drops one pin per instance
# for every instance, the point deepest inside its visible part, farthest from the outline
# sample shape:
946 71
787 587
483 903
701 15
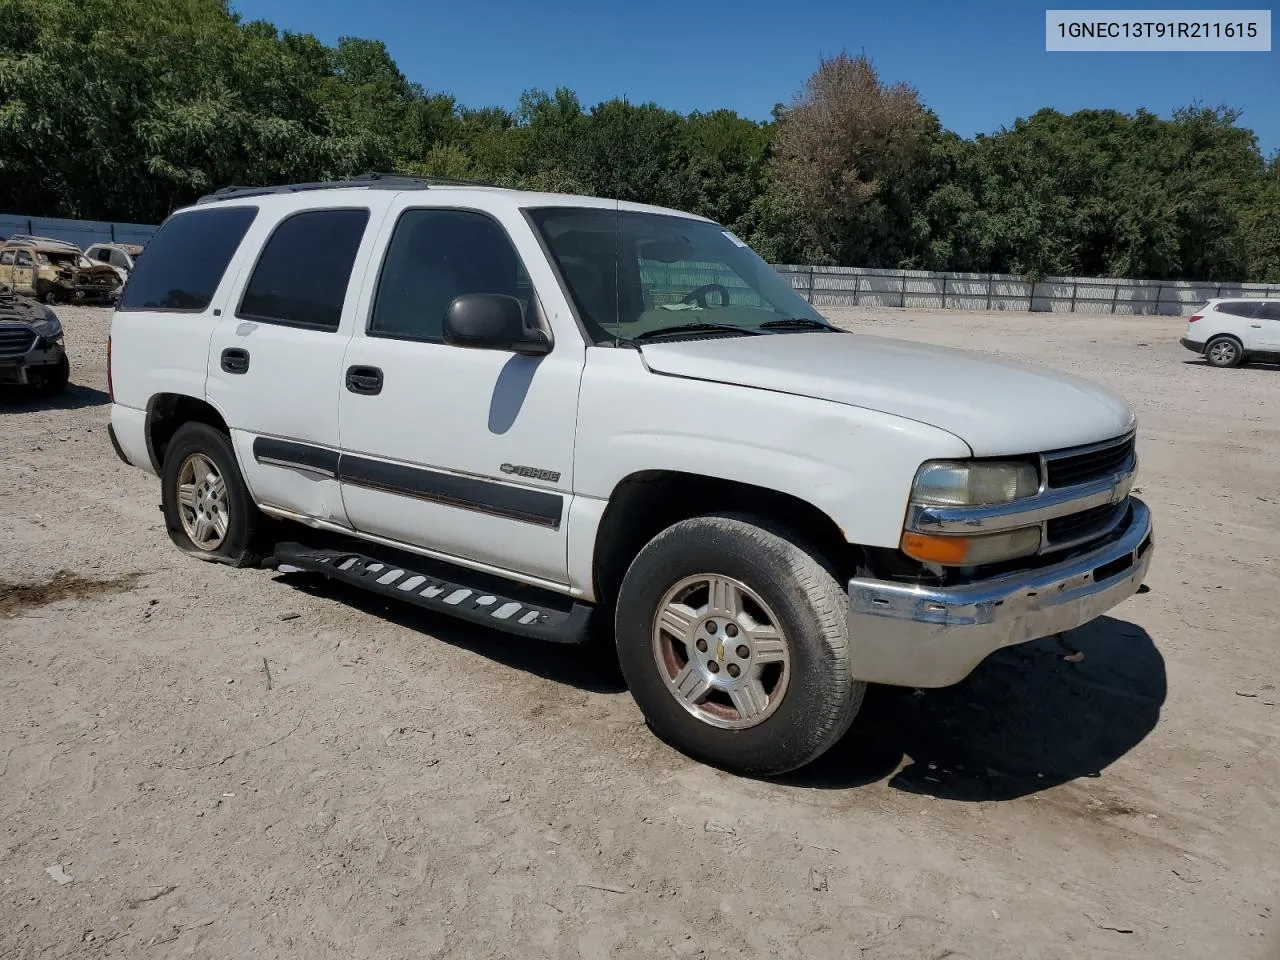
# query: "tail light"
1195 317
111 394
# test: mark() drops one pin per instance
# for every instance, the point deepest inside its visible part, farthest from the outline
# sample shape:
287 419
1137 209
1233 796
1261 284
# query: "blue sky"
978 66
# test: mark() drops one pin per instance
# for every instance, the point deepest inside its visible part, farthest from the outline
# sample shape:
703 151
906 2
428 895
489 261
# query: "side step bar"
542 620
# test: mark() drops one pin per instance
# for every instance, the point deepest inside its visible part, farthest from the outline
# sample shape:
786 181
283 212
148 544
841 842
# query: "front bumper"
919 636
1192 345
44 353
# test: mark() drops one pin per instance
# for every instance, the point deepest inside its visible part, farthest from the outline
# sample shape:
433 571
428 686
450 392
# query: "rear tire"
733 639
1224 352
207 508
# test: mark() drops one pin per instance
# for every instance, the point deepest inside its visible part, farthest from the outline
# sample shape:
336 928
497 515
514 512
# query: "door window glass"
435 256
302 275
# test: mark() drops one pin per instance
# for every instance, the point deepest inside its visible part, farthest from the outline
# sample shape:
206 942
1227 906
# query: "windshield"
69 258
635 274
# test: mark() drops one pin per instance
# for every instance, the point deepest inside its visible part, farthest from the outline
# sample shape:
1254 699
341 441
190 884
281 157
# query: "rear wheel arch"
645 503
166 412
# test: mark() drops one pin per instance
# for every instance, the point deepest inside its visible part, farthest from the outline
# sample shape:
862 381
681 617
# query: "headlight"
49 327
963 484
960 483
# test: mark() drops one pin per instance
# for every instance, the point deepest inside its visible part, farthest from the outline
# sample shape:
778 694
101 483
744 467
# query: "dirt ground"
234 763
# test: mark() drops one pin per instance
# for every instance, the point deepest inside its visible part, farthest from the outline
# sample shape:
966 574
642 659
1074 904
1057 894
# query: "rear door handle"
235 360
364 380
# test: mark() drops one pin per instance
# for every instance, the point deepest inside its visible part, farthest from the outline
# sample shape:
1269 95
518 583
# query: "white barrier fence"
868 287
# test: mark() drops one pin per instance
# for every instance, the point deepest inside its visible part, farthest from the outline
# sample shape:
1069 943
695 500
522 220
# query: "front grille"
14 343
1067 469
1077 527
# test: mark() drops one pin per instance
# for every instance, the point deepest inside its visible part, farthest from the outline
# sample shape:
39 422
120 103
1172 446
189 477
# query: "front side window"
188 256
22 258
302 275
435 256
634 274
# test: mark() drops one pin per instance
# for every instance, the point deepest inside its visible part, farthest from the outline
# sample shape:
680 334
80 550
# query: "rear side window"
301 277
186 260
1239 308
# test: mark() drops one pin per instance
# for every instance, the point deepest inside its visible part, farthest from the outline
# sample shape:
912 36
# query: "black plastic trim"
290 453
469 493
538 507
115 445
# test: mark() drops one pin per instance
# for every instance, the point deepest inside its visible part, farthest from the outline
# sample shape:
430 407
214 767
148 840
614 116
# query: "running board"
541 620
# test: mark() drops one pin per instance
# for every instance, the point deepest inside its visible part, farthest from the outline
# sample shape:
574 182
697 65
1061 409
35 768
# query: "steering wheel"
700 295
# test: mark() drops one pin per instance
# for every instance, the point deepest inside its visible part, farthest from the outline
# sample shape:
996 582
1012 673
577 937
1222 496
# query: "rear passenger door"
1268 318
275 359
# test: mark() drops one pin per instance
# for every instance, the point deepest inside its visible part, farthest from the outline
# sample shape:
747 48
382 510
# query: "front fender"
854 465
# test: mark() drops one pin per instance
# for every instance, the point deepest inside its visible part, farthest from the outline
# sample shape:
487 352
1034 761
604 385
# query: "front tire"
733 639
1224 352
207 508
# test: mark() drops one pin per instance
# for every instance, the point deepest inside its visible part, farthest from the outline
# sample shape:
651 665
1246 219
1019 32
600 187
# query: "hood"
996 406
16 309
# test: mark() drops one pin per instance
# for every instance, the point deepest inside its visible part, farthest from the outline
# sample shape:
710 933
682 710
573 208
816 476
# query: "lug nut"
731 630
701 645
733 670
743 652
713 667
711 626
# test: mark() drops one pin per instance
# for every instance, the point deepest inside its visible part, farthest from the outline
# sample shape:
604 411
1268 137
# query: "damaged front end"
68 278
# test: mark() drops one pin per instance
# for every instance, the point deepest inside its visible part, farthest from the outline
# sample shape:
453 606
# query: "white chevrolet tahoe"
526 410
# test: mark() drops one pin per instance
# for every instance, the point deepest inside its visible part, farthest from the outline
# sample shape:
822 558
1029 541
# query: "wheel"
52 381
1224 352
50 296
207 508
733 639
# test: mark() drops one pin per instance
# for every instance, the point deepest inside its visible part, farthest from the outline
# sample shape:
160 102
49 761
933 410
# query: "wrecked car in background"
32 353
121 256
54 271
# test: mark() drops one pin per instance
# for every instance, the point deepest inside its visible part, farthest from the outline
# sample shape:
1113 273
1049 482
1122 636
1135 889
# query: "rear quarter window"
186 260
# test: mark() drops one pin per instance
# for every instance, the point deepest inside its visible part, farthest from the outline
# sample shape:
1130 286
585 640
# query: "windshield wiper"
694 328
797 323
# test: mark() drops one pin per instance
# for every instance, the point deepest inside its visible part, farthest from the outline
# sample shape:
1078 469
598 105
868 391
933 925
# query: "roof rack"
368 181
52 241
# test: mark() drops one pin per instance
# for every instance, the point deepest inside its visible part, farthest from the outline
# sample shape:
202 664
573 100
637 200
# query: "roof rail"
28 238
369 181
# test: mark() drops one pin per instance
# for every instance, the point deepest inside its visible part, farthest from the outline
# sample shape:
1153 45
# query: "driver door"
24 273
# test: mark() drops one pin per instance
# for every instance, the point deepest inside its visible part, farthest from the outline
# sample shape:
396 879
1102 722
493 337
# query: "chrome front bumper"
919 636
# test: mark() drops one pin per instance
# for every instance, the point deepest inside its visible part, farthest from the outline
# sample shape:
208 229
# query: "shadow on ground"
1025 720
74 397
591 666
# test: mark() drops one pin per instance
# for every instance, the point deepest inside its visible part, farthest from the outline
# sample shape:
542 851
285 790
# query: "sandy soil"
401 786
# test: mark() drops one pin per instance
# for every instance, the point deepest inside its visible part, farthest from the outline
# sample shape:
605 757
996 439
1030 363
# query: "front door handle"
364 380
235 360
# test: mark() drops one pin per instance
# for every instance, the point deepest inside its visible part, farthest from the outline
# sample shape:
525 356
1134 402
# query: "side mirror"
491 321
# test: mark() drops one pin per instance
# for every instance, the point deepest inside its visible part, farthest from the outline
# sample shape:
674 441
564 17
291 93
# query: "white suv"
1228 333
524 409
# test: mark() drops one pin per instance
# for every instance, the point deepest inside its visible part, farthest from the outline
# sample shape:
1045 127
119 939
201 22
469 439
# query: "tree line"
127 109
